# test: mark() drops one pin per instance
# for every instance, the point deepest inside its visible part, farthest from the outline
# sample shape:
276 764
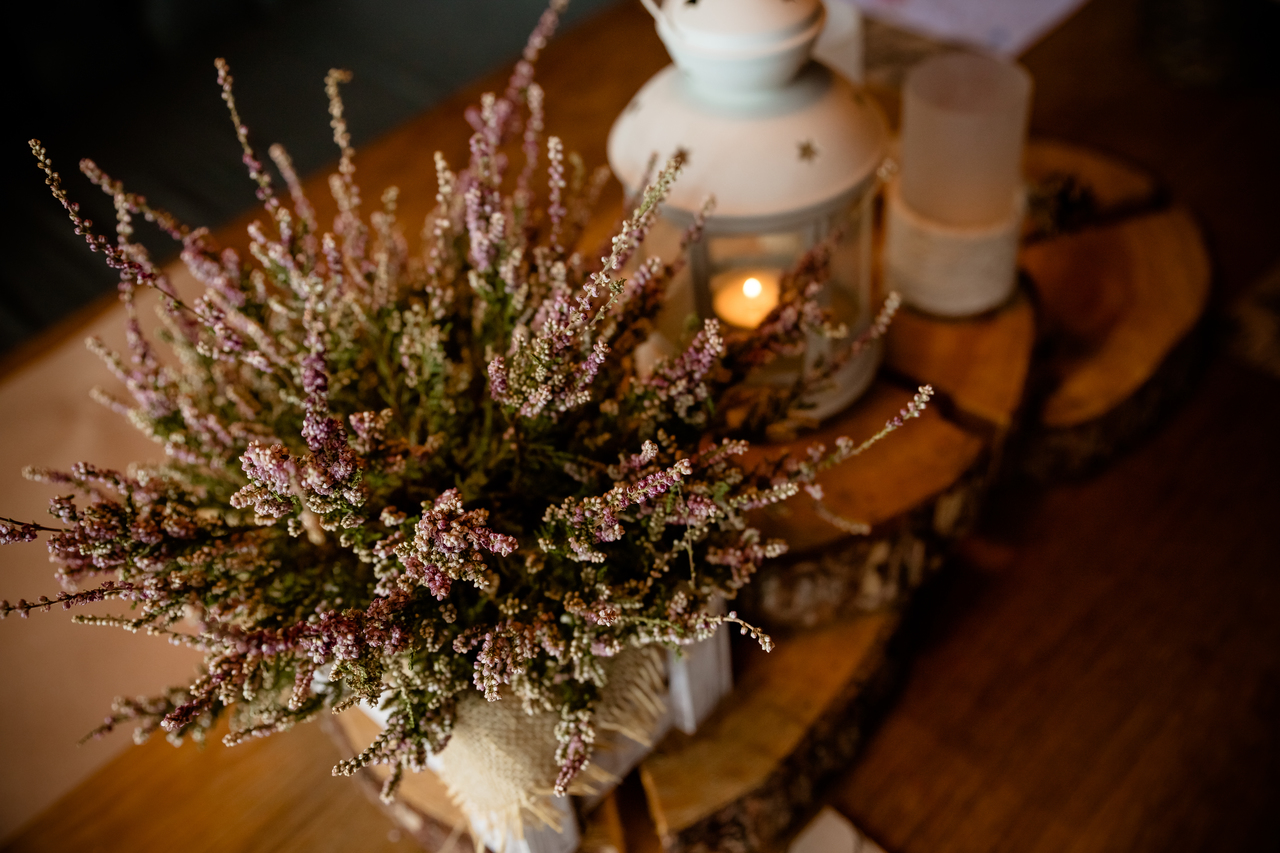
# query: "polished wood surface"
1124 296
1101 669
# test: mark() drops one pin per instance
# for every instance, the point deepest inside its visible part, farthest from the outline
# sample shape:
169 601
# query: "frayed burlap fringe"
635 698
500 765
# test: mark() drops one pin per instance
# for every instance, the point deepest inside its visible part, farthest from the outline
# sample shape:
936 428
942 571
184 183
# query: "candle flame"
752 288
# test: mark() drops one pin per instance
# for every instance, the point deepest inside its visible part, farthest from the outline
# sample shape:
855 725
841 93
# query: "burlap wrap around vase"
500 765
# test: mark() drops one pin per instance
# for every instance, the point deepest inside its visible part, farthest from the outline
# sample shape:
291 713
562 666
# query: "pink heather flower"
11 531
555 180
658 483
326 379
498 379
270 465
458 536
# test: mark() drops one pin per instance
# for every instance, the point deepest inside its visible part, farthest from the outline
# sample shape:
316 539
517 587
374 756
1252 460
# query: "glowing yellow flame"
752 288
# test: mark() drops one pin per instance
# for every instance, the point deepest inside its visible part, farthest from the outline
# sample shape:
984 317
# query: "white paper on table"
59 678
1002 27
832 832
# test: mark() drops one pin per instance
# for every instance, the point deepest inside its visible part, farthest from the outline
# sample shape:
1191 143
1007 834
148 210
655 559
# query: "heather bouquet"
421 477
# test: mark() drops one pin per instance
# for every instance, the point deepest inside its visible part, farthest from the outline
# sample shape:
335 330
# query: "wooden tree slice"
746 780
1122 306
900 474
918 489
979 365
1122 289
1114 186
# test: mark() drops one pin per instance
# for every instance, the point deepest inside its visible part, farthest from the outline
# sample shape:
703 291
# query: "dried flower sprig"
399 476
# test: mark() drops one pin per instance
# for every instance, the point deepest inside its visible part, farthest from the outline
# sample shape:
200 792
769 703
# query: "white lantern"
790 150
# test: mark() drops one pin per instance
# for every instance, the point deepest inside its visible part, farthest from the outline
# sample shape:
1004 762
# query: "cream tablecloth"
58 679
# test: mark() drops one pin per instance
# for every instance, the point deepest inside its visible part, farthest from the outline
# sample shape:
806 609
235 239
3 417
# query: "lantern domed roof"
767 156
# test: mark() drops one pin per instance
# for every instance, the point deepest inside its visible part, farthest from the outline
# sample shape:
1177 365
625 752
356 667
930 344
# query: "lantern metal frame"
785 144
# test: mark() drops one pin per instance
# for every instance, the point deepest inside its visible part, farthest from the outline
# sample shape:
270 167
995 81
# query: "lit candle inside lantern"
743 298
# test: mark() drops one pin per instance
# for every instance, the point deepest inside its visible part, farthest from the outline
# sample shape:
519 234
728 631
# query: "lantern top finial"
728 47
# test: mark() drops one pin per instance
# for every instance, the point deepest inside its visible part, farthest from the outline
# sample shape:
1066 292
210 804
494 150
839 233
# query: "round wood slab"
1121 297
917 489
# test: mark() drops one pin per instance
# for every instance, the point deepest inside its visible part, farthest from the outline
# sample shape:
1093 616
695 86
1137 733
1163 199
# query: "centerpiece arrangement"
428 480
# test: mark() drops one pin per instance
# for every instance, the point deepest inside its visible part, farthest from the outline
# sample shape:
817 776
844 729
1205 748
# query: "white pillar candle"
964 120
953 217
744 297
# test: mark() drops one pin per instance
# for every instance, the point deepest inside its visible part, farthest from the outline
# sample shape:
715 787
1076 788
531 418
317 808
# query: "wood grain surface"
1116 187
894 478
266 796
1102 670
978 363
1125 295
748 774
1121 293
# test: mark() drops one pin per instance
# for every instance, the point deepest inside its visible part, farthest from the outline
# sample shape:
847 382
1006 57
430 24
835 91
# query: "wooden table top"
1100 670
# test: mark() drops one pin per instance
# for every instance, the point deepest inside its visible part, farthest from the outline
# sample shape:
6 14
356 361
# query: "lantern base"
848 384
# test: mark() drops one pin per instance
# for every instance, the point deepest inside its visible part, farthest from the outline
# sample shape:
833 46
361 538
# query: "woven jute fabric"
500 765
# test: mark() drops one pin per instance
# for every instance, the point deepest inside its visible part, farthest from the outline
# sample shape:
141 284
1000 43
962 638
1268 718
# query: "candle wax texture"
743 298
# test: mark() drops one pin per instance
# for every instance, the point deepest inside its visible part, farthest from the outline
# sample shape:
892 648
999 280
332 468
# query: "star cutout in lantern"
808 151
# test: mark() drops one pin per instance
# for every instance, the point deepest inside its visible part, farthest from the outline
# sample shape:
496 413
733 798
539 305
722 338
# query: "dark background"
132 86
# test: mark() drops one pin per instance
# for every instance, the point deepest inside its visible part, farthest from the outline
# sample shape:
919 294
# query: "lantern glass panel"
780 249
714 282
849 287
744 273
